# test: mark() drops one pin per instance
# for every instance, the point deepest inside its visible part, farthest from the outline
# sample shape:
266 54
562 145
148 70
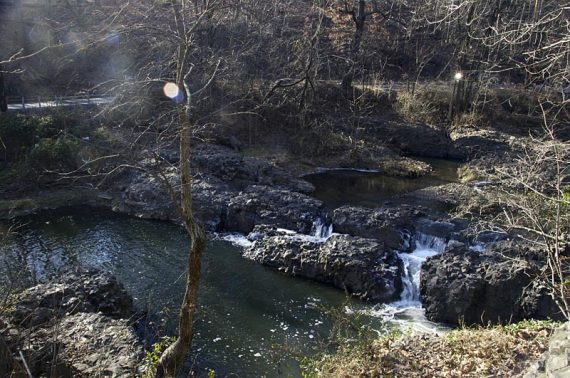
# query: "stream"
252 320
340 187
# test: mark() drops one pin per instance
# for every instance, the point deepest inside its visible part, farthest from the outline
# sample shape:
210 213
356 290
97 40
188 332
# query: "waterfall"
321 229
429 242
426 246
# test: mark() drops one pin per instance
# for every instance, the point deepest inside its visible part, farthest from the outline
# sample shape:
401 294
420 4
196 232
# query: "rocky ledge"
363 267
76 326
395 226
495 286
232 193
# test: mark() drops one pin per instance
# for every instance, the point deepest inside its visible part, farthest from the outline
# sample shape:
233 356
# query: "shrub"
423 105
152 358
53 153
19 133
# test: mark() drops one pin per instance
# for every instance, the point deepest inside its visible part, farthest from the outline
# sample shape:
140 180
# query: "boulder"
240 171
555 362
392 226
146 196
416 139
78 325
260 204
497 286
230 193
475 143
86 345
441 198
363 267
73 292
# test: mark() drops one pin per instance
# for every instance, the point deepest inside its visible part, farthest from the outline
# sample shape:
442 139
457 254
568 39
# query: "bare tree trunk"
3 101
359 18
172 359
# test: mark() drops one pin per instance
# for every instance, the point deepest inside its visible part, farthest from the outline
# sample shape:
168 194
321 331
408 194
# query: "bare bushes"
416 107
530 198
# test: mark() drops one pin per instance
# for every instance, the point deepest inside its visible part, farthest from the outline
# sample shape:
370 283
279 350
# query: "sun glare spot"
172 91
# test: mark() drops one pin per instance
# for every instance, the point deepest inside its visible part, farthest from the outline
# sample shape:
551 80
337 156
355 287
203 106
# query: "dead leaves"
502 351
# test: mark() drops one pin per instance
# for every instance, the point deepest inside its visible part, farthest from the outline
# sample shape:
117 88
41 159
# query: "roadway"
59 102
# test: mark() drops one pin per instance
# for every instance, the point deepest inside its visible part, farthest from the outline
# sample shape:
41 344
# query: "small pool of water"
252 321
351 187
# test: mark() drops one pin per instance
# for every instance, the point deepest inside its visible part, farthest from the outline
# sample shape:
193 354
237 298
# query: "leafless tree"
534 198
173 357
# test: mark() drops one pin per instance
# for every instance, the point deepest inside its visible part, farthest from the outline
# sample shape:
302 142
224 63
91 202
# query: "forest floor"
499 351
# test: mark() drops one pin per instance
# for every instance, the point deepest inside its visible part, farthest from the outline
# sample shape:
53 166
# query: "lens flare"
173 92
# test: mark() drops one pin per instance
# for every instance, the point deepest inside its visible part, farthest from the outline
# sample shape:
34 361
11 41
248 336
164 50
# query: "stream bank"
239 193
252 320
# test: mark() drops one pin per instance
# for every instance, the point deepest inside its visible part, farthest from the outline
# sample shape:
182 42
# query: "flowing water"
408 312
371 189
252 320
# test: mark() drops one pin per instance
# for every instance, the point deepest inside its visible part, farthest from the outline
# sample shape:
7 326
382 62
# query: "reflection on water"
348 187
252 320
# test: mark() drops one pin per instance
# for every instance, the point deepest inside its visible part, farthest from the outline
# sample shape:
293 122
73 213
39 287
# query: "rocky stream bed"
374 253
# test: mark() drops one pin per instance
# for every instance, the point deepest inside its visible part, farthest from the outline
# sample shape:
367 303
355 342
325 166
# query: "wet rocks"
76 326
363 267
461 285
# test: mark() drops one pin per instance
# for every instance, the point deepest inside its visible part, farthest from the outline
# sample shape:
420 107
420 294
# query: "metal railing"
23 103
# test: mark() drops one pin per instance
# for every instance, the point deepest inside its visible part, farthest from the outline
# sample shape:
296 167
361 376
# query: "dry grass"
502 351
425 105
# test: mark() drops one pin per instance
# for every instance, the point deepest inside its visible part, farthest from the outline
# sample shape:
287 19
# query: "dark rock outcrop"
89 291
440 198
390 225
76 326
460 285
419 140
147 197
241 171
475 143
221 207
270 206
363 267
231 193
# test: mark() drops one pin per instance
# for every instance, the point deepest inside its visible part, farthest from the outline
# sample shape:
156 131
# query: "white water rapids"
407 311
426 246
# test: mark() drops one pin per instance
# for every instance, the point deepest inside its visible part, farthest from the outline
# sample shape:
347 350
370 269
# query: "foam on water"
237 239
